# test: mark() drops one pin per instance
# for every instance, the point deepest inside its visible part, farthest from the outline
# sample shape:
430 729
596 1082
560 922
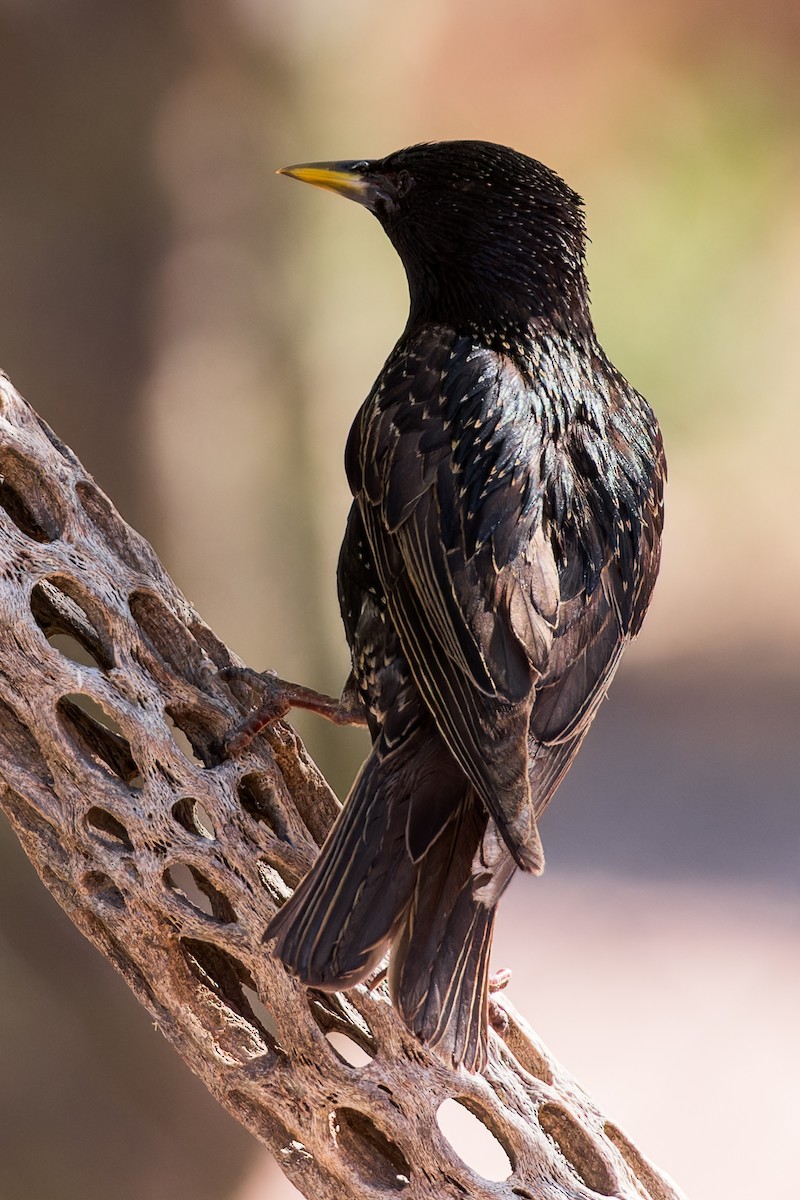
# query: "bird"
500 553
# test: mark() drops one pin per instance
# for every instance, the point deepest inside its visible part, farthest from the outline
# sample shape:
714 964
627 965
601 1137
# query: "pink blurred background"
202 333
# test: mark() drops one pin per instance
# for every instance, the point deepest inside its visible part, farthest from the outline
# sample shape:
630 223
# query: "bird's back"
510 510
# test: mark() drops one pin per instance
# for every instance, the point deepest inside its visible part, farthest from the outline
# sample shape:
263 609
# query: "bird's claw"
498 1017
258 681
499 980
273 704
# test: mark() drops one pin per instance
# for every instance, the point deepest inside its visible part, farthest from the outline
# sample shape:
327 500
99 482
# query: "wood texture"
171 861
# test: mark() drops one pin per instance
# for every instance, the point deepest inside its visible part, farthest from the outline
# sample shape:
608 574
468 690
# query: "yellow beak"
348 179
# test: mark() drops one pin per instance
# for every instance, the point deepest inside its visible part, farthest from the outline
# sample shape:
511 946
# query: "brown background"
202 333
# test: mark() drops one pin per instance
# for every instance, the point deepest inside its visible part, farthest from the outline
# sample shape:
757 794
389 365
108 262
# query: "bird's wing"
605 588
444 535
449 464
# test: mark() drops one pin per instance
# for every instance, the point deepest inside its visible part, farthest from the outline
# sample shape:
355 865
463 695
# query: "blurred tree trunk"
228 405
83 229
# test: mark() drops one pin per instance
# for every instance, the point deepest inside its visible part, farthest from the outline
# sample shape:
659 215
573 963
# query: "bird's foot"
275 698
498 1017
499 980
273 703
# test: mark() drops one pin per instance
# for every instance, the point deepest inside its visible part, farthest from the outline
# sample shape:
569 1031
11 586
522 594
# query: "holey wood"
171 860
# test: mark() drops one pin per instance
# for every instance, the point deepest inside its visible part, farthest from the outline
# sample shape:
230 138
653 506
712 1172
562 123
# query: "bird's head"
488 237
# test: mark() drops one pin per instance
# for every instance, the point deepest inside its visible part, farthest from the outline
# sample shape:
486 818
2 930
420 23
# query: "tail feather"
415 862
338 925
439 969
452 1012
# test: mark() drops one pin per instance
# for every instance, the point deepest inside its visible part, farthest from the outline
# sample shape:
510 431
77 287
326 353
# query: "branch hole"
182 741
191 734
277 887
198 891
578 1149
110 829
194 818
258 800
527 1055
229 981
379 1161
203 821
102 888
29 499
473 1141
638 1165
71 648
216 650
98 737
344 1027
260 1011
62 613
166 634
347 1050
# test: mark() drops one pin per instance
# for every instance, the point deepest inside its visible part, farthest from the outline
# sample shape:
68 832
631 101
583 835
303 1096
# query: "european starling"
500 553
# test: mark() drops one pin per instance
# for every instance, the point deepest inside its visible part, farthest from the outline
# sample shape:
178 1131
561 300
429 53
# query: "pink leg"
276 698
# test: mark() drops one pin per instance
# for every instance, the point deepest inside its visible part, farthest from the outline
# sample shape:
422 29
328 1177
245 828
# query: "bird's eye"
361 165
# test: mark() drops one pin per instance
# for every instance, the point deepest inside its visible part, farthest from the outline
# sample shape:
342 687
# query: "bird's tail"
439 969
412 862
339 923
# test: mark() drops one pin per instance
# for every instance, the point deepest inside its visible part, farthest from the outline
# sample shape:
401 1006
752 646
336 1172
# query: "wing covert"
515 553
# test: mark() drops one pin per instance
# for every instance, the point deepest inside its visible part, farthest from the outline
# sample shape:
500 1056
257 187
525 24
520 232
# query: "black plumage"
500 552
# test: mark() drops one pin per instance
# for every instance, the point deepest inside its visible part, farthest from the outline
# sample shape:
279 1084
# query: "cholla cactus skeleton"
172 862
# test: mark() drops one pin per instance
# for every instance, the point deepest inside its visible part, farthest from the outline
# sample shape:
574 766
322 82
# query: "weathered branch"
171 862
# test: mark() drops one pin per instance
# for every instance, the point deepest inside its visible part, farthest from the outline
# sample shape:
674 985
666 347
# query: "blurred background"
202 332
